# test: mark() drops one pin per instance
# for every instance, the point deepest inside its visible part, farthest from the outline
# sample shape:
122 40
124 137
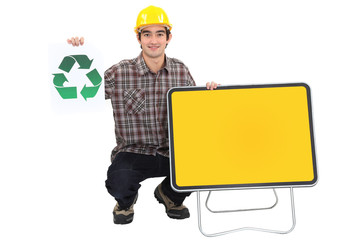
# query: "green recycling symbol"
71 92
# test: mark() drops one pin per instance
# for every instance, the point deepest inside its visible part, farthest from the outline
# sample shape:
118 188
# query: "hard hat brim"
138 29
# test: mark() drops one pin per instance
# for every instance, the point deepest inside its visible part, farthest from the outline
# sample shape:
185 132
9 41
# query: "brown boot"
124 216
172 210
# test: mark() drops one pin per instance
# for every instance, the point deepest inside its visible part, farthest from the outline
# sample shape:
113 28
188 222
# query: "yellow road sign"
241 136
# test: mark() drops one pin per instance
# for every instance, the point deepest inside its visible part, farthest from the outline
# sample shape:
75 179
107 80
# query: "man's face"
153 41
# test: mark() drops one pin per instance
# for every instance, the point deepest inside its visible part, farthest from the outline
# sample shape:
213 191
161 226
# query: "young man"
137 89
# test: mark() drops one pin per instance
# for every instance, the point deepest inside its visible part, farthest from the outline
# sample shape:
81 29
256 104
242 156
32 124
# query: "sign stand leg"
247 228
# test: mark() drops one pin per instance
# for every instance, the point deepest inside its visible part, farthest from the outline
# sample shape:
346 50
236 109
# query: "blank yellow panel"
254 136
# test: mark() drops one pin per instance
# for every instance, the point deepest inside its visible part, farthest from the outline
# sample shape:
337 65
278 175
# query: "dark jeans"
129 169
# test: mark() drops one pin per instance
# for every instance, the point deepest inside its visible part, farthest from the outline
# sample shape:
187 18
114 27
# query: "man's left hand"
212 85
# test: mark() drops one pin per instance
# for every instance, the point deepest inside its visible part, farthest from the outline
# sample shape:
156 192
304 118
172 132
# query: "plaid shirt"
138 98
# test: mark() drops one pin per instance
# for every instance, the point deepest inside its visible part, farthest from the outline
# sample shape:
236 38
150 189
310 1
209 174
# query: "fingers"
76 41
212 85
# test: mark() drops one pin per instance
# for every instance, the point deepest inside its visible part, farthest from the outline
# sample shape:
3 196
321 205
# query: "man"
137 89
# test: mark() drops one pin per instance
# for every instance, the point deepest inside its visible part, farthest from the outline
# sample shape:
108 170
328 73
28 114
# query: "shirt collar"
143 68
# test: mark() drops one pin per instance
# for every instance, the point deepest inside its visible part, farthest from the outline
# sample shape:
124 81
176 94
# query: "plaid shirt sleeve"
190 81
109 82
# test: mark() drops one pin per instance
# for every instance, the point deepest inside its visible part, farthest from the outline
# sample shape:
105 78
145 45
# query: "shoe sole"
170 215
122 219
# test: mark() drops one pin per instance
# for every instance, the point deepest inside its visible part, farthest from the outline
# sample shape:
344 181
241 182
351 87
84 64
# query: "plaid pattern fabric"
138 98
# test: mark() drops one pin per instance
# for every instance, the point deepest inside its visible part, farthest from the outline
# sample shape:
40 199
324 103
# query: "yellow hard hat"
152 16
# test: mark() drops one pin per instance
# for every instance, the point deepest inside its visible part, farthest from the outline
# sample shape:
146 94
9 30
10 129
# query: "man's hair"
167 34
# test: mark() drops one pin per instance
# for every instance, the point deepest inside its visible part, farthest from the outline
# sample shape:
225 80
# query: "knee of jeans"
123 181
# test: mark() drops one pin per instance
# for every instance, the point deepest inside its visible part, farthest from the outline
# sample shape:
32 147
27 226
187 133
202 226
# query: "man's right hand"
76 41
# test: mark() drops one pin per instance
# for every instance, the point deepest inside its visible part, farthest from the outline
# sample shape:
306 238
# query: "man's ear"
138 38
170 37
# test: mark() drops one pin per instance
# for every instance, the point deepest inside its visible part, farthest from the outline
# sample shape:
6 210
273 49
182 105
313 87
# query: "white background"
53 166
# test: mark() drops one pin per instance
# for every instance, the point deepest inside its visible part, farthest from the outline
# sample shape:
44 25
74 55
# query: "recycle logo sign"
70 92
